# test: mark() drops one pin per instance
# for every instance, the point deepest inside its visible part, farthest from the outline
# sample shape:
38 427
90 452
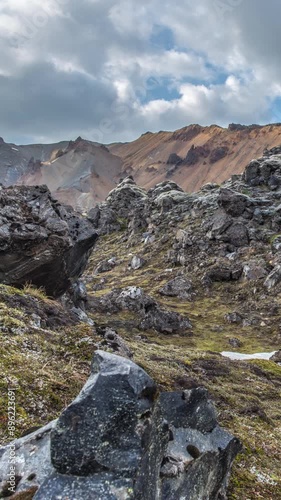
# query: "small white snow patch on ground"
240 356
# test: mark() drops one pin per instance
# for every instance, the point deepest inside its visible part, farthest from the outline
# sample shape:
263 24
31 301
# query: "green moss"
274 237
269 367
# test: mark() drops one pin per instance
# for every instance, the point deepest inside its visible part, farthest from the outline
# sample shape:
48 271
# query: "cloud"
110 70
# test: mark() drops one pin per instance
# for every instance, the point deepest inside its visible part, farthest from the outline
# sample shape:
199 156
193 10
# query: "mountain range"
82 173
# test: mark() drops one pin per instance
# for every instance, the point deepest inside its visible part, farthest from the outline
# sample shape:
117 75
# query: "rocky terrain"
118 433
174 280
81 173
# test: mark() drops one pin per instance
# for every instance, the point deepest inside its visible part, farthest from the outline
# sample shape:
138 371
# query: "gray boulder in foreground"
120 439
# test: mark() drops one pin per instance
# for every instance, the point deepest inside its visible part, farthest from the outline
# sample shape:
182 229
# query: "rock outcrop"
121 439
180 287
174 159
151 316
41 241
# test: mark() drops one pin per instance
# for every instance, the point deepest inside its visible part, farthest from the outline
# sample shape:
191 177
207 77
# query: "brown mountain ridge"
204 154
81 173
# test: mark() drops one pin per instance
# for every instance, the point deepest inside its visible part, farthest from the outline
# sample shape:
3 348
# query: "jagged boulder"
124 204
180 287
105 265
121 439
126 196
150 315
41 241
31 468
266 170
221 272
233 203
103 429
237 235
115 342
165 321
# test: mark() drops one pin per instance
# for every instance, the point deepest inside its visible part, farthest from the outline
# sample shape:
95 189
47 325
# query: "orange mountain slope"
210 154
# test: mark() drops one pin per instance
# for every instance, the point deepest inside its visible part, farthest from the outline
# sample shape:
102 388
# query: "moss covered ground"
48 366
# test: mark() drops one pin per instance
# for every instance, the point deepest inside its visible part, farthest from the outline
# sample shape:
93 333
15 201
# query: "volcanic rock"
120 439
41 241
150 314
178 287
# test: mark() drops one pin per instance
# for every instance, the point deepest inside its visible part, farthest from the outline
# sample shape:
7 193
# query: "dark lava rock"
178 287
220 222
78 294
105 265
185 466
237 235
103 429
119 439
41 241
189 409
126 196
274 278
254 271
276 357
100 487
28 464
233 127
115 342
252 172
233 203
105 219
221 273
233 317
124 204
236 343
164 321
150 314
266 170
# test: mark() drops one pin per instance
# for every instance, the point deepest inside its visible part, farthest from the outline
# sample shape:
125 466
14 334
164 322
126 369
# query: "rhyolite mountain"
82 173
78 173
174 280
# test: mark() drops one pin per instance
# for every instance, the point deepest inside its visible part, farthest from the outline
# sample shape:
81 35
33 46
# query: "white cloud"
70 68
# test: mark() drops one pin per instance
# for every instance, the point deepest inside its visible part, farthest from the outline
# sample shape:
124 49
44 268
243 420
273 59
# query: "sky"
110 70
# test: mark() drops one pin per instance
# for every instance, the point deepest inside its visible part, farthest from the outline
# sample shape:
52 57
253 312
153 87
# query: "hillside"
208 154
82 173
174 281
79 173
